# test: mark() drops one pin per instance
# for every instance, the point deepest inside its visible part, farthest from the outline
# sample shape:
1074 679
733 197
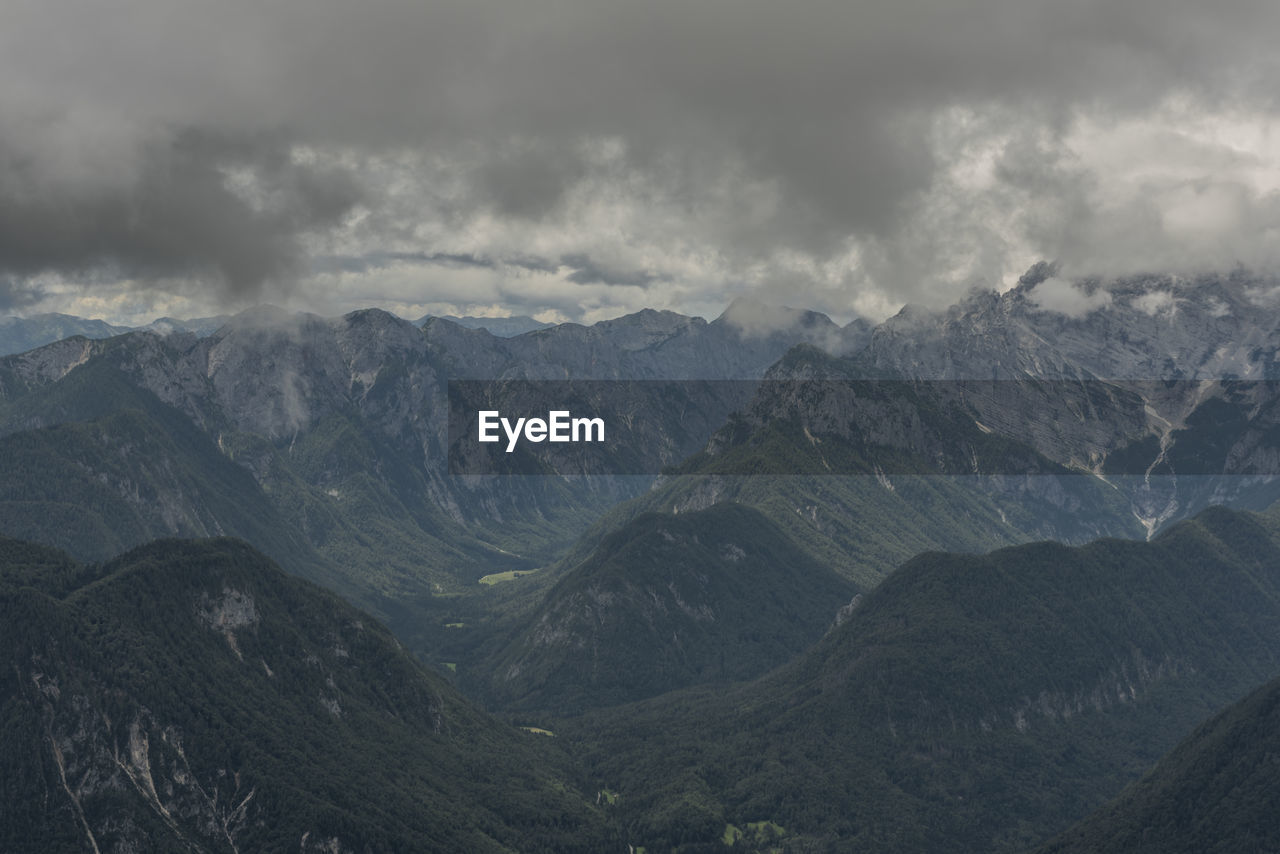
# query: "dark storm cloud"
455 260
588 272
182 214
527 181
767 127
379 260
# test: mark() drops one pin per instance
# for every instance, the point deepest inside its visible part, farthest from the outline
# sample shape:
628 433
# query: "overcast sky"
579 159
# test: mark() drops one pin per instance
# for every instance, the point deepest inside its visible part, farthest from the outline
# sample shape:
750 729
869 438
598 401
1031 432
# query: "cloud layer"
580 158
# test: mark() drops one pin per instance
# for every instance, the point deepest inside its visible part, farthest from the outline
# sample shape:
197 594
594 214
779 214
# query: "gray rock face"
372 387
1147 327
132 726
274 374
362 401
740 344
1170 447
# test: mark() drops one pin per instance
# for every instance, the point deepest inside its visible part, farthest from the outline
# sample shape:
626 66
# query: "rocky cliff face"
1146 327
1132 379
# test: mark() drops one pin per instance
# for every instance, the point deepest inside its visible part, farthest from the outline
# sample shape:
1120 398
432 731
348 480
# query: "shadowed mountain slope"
1217 791
669 601
968 703
190 696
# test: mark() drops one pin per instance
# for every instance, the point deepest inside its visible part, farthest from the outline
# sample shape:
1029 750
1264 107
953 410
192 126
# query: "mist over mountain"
1210 326
198 326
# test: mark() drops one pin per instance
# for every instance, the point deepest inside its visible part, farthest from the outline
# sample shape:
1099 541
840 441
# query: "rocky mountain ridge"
19 334
337 420
1212 326
340 423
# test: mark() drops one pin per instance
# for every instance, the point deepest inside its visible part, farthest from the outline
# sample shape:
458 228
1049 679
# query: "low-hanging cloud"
1154 303
1066 297
846 156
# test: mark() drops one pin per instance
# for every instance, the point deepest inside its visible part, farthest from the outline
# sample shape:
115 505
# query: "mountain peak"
652 320
268 316
754 316
1143 326
376 318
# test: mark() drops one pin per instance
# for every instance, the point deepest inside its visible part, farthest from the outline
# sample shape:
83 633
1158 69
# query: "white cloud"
1264 296
1065 297
1155 303
1218 308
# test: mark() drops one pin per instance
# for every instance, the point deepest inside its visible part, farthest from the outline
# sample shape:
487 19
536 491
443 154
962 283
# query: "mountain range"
967 703
1212 326
503 327
335 420
339 424
827 625
19 334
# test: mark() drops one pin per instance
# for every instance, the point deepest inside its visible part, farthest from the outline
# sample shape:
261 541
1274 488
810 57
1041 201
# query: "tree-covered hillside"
1216 792
969 703
190 696
667 601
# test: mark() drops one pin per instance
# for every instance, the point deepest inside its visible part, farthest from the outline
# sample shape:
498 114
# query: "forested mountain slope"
968 703
190 696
